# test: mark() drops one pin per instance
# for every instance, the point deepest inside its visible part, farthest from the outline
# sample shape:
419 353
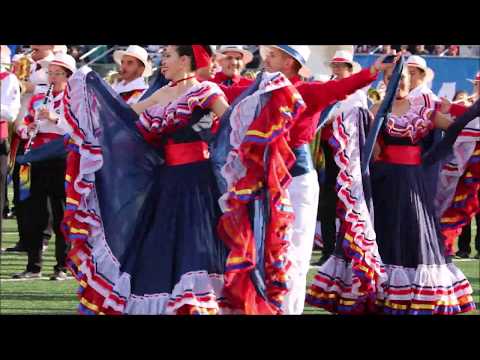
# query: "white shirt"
137 84
10 97
47 126
424 96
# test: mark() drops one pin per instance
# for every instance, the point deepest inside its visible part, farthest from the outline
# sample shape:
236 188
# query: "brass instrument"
250 74
470 99
112 77
22 71
374 95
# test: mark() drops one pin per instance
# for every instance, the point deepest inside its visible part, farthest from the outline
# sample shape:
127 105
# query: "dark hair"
187 50
69 73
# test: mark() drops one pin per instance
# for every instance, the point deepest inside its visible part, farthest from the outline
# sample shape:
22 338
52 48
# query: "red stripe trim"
341 60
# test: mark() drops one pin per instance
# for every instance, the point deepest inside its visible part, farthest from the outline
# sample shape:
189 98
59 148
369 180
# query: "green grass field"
42 296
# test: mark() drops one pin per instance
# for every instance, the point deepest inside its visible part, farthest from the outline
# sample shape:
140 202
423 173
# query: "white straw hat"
137 52
345 56
63 60
247 55
419 62
301 53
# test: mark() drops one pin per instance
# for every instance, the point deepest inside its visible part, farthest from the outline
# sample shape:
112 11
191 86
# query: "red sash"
401 154
180 154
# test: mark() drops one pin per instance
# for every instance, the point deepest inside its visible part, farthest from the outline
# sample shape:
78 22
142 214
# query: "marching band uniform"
235 80
47 181
9 108
131 92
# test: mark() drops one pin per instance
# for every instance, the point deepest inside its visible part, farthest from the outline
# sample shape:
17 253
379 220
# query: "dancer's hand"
445 106
379 65
204 123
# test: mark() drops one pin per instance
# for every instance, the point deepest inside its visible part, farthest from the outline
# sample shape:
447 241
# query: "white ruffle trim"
197 288
350 193
431 279
193 286
427 277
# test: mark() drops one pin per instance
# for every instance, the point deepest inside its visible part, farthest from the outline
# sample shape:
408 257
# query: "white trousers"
304 192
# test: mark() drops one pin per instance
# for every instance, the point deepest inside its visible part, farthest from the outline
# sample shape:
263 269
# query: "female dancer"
413 275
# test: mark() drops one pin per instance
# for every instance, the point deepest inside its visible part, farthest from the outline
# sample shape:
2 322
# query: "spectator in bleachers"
453 50
386 49
362 49
75 52
404 50
438 50
420 50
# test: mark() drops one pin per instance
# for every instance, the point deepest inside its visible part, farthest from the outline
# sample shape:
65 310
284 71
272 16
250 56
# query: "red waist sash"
180 154
401 154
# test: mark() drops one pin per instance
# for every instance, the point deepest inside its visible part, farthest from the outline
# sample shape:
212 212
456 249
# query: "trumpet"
470 99
112 77
374 95
251 74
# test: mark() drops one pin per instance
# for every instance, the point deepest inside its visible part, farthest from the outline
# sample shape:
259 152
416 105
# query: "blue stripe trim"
294 53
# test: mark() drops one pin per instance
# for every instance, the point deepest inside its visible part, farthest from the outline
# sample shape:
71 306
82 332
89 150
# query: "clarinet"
34 133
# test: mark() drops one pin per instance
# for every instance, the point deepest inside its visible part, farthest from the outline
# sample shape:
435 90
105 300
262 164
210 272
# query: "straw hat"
344 56
137 52
419 62
247 55
61 59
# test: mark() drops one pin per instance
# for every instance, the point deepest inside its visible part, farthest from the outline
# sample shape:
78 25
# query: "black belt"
304 163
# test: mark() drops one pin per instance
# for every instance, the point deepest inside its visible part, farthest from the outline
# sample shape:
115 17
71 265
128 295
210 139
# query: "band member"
233 59
134 68
47 176
9 108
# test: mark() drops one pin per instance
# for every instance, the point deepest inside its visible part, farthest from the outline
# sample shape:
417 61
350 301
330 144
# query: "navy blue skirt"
177 234
407 229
